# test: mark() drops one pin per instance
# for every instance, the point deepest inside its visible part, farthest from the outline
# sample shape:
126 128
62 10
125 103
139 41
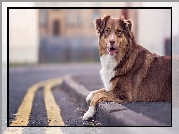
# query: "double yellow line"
53 110
24 110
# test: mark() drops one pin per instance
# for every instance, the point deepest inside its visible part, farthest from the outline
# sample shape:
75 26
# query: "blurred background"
38 36
68 35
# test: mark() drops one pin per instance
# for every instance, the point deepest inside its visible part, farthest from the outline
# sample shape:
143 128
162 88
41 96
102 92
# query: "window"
74 17
168 46
43 17
78 18
56 28
70 17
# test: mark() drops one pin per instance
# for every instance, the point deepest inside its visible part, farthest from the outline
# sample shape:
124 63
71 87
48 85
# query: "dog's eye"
107 30
118 31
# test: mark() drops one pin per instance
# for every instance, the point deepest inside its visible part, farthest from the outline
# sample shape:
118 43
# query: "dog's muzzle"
112 50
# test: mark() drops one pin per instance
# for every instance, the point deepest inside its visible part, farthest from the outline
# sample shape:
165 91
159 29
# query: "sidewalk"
114 114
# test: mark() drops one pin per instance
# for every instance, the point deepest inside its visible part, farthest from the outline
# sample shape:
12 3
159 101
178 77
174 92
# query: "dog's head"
114 35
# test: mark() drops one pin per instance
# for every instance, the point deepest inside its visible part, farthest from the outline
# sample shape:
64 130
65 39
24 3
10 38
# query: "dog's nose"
112 41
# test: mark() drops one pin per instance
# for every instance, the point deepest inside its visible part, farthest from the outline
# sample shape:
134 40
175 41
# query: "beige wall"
23 36
16 52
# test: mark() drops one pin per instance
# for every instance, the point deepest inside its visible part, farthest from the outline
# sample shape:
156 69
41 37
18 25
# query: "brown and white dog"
129 71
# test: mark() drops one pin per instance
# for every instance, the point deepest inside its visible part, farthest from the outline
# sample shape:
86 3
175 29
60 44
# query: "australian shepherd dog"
129 71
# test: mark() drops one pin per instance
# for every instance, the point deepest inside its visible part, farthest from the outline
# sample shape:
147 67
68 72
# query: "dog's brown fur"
140 75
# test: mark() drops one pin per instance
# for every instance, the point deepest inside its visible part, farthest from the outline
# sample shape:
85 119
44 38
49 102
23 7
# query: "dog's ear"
126 25
101 23
124 22
130 22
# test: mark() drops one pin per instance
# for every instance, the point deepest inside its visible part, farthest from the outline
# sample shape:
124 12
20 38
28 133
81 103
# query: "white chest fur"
108 64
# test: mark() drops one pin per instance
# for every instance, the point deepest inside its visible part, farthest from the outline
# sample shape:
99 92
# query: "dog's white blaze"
107 72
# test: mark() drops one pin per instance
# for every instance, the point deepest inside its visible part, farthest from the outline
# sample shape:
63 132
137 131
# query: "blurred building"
68 35
75 22
71 33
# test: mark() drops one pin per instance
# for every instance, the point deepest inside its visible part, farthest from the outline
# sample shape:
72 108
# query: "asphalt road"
22 78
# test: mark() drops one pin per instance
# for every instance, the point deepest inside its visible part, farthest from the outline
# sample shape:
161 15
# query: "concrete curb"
114 114
79 92
108 113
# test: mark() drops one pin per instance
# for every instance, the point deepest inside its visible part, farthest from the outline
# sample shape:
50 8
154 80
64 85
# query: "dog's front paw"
89 113
89 97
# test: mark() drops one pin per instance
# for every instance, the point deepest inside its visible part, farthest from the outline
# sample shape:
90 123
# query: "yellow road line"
53 110
24 110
